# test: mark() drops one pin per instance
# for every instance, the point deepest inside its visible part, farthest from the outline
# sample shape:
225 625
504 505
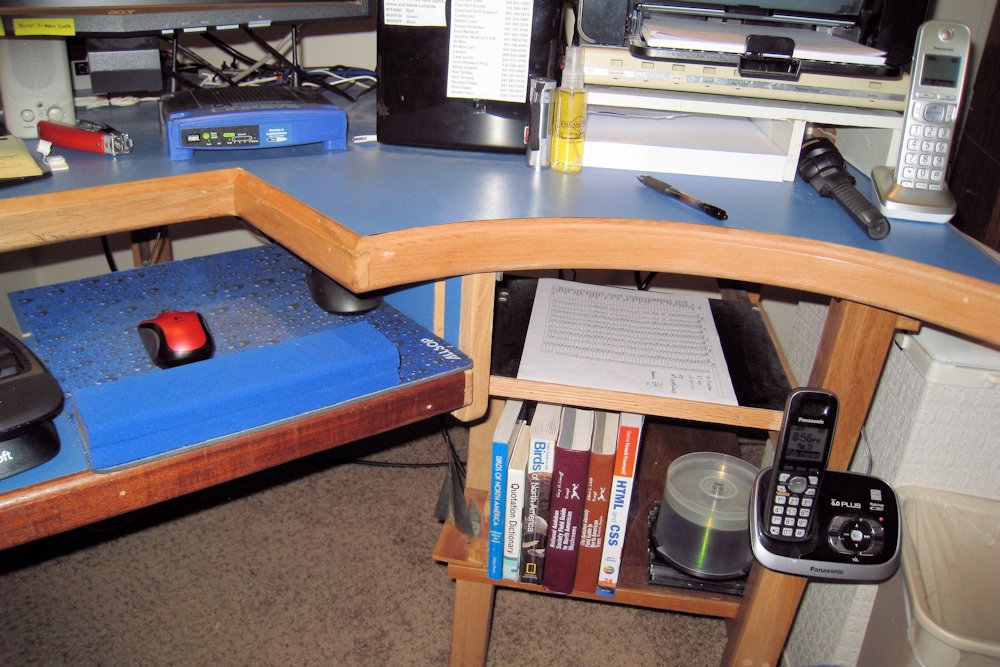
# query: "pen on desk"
671 191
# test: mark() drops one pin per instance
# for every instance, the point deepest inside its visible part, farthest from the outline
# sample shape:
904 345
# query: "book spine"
513 523
569 479
498 496
534 527
629 435
595 515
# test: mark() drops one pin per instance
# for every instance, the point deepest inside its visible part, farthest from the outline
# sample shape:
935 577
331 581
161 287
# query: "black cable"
295 68
642 284
204 63
223 46
108 254
453 453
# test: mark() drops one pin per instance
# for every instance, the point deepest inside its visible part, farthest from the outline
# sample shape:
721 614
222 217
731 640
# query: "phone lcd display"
940 71
806 444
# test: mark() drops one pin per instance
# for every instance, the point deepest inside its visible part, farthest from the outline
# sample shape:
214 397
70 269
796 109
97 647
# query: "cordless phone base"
855 536
895 201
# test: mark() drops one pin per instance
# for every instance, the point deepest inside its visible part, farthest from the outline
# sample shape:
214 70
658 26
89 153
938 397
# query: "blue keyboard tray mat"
278 355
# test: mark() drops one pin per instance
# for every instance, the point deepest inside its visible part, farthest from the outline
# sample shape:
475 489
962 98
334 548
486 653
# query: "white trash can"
951 576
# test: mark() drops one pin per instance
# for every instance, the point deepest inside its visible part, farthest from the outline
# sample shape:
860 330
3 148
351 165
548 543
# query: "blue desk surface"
372 188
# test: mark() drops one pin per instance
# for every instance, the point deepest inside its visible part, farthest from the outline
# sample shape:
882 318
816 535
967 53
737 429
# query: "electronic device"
762 67
104 17
109 32
857 536
34 84
824 168
810 521
29 398
616 66
445 83
800 460
242 117
174 338
916 189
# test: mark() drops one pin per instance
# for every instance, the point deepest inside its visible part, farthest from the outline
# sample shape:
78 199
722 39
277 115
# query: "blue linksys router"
247 117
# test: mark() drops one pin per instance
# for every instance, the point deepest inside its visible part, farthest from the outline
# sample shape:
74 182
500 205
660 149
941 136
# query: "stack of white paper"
625 340
732 37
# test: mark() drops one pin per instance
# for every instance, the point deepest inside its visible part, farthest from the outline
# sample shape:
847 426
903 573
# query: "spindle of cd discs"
703 524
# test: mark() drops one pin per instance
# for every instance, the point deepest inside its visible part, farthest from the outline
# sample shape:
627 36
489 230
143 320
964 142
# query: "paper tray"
685 40
697 144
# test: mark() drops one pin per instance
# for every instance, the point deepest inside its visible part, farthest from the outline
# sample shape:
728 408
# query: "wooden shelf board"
659 597
713 413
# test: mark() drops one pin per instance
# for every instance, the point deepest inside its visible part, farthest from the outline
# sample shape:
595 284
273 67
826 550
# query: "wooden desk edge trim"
930 294
76 500
35 220
961 303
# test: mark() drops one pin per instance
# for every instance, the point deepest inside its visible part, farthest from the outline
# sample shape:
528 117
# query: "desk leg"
470 623
852 351
476 339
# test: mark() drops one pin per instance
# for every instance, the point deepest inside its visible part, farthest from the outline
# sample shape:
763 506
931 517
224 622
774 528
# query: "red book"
569 483
595 503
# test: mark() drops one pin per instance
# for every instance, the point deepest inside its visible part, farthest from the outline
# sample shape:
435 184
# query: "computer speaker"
35 84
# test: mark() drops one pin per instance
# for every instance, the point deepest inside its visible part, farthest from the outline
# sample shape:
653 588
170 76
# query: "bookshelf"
674 427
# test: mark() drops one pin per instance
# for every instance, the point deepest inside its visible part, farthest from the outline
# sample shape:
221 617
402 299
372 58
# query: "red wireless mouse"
174 337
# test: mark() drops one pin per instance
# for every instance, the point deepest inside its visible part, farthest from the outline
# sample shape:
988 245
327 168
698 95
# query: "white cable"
282 49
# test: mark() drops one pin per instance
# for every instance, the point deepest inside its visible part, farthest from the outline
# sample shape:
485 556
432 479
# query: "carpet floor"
324 561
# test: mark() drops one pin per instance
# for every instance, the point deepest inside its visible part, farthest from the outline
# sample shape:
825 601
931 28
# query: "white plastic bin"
951 575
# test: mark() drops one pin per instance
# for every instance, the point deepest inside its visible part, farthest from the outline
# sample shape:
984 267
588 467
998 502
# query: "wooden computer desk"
383 216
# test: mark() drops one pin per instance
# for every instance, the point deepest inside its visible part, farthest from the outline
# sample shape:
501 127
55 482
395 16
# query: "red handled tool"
86 135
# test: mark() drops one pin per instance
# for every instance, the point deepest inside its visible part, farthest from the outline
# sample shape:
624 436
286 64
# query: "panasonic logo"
825 570
810 420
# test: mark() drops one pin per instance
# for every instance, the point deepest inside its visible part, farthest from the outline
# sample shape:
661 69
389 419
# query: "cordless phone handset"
916 189
801 457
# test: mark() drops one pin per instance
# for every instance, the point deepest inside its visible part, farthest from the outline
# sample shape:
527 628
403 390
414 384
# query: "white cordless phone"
916 189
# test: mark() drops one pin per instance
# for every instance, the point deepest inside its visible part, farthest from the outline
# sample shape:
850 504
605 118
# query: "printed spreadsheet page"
626 340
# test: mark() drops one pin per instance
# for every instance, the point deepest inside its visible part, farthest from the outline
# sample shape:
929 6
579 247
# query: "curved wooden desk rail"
362 263
476 249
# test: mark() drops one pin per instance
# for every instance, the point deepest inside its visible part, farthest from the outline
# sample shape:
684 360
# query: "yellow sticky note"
44 26
15 160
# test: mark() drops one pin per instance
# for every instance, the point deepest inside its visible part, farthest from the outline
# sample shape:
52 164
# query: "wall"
917 433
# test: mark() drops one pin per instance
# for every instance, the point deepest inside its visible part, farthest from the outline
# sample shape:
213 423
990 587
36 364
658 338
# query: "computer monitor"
138 17
120 36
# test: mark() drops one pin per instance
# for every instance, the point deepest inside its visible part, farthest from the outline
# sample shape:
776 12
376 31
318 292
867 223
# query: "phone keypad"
929 133
792 505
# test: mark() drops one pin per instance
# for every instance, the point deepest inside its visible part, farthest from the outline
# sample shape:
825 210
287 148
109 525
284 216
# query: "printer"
845 52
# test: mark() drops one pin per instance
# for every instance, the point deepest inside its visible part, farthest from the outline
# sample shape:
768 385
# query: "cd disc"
703 523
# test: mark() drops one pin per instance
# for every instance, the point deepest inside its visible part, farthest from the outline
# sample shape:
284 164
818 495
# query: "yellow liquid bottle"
569 116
